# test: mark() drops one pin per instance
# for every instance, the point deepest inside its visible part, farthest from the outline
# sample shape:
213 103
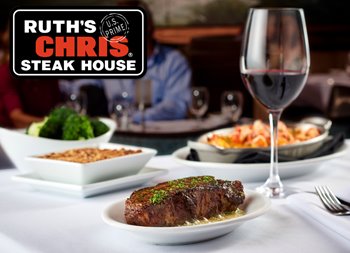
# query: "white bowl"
18 145
256 203
93 172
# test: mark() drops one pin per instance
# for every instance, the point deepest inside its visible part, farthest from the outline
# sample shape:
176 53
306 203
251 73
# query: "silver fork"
331 202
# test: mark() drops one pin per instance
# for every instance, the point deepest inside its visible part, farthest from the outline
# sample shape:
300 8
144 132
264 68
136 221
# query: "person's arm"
11 101
177 94
14 110
21 119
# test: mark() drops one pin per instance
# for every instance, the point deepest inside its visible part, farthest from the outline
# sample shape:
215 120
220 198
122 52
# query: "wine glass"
231 105
76 101
274 65
143 97
200 101
122 110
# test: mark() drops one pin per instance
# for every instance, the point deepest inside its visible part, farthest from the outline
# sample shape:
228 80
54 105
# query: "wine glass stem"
273 119
142 110
273 187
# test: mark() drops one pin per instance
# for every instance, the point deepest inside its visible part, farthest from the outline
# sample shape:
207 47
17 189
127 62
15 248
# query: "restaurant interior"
177 117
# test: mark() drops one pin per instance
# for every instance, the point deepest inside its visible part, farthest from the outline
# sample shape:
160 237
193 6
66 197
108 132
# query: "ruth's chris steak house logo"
77 42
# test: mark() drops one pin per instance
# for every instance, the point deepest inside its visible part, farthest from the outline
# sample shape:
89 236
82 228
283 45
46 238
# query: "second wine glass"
231 105
75 101
274 64
200 101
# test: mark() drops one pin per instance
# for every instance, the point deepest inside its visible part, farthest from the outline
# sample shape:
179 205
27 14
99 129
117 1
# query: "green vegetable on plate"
65 124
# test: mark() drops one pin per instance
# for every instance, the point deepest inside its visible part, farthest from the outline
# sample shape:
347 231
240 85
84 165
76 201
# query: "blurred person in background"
165 86
23 101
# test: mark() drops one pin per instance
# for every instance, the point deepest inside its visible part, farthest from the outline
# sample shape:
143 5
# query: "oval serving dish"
211 153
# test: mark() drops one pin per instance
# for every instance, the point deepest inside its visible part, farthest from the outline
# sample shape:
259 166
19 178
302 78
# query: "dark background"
317 11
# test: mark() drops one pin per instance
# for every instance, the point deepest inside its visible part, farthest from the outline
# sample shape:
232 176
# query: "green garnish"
158 196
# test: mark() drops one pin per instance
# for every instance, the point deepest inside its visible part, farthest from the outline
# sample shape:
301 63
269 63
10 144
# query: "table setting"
40 215
35 220
47 212
198 121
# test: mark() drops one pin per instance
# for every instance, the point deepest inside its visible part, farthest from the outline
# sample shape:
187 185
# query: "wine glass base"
272 192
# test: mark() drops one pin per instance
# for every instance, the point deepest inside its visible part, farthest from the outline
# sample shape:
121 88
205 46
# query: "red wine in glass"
275 89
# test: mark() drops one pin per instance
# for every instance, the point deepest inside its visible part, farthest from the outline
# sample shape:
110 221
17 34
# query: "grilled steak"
175 202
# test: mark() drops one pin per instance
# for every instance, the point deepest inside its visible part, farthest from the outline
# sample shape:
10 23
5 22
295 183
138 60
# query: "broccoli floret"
53 126
62 113
99 127
77 127
35 127
51 129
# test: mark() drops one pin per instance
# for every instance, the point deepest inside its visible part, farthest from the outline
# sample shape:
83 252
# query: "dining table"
41 221
169 135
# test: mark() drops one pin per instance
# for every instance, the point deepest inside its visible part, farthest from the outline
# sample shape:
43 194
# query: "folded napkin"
309 206
328 147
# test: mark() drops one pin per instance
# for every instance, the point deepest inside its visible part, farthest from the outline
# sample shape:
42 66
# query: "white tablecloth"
34 221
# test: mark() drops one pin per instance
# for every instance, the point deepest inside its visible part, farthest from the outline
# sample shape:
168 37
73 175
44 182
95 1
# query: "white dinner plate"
255 171
257 205
88 190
